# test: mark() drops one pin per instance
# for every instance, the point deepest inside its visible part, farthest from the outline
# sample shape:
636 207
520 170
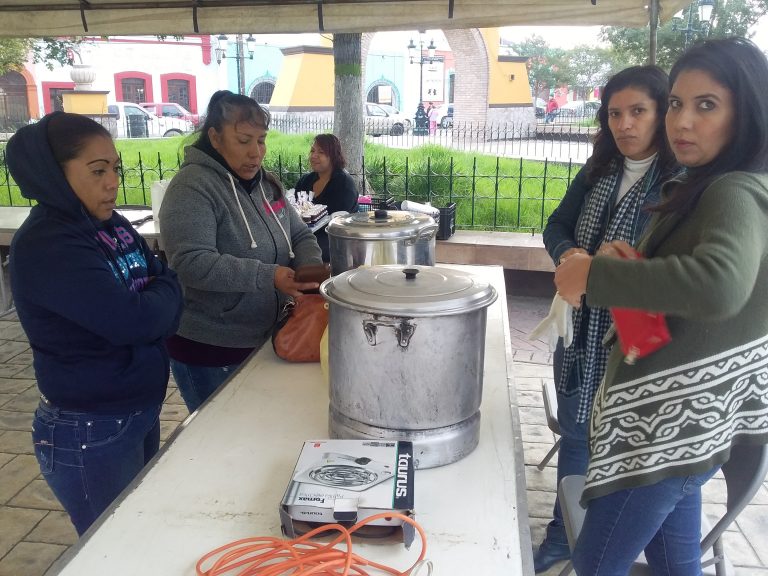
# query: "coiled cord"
267 556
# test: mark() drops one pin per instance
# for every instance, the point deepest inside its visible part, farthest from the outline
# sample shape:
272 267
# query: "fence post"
7 175
496 194
301 168
544 190
386 190
362 169
520 192
474 187
141 180
406 178
429 178
122 177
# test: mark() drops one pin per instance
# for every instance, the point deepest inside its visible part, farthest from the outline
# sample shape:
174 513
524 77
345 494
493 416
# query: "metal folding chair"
550 409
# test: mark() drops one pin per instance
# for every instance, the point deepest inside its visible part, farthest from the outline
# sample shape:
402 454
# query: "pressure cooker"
406 352
381 237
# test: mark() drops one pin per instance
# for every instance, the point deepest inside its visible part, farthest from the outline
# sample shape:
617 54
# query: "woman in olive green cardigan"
662 426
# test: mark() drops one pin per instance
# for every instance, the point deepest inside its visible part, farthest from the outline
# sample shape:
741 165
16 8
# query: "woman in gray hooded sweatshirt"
234 241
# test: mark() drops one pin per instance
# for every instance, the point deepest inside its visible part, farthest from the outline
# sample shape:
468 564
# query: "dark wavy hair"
653 81
69 133
226 107
331 146
738 65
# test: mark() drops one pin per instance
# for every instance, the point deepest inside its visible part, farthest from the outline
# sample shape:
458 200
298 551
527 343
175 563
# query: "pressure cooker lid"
409 290
379 225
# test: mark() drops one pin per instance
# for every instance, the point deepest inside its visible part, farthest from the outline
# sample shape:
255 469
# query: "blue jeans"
664 519
88 458
197 383
573 454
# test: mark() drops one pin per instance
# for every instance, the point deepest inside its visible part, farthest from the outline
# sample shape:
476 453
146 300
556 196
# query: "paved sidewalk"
34 530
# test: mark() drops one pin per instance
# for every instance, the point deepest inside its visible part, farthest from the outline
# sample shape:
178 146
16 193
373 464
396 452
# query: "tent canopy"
34 18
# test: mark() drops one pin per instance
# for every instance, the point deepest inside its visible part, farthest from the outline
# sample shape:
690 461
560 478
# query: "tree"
547 67
729 18
589 67
582 68
15 51
348 99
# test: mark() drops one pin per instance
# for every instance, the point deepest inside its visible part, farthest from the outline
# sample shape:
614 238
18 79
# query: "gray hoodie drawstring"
245 220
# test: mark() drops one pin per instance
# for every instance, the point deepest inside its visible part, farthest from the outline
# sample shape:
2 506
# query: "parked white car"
378 121
397 115
577 110
445 116
133 121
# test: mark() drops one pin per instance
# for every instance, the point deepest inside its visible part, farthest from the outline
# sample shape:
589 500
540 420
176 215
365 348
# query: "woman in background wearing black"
329 181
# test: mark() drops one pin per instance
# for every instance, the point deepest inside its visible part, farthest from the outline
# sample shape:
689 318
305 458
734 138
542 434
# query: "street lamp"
705 14
221 52
421 126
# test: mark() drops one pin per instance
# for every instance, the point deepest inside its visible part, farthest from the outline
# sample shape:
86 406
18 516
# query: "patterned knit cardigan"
677 411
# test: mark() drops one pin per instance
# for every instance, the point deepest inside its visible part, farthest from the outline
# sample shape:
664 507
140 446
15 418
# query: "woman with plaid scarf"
662 425
607 200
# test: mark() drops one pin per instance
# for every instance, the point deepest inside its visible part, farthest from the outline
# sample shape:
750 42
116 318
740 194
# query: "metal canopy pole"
654 25
240 64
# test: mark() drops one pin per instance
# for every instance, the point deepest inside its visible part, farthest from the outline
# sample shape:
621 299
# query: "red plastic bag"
640 332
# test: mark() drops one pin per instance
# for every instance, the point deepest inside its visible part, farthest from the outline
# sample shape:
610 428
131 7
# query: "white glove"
557 324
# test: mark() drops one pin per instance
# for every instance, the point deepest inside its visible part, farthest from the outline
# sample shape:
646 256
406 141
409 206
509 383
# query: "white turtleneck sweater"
633 171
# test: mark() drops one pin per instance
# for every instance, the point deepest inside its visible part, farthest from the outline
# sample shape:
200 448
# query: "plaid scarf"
600 222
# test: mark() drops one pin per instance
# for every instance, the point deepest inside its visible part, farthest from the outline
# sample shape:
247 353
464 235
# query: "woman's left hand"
618 249
285 282
571 278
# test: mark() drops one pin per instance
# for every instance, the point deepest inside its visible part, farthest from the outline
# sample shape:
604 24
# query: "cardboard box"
345 481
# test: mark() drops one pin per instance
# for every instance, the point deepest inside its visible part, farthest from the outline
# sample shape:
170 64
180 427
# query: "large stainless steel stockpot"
406 351
381 237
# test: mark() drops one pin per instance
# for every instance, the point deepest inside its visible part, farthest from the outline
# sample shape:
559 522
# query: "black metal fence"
490 194
513 183
563 139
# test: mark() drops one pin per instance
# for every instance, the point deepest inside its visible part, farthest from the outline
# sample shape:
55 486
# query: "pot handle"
403 330
425 233
428 231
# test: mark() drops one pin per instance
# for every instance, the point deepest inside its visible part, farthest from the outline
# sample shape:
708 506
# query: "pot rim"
388 291
398 224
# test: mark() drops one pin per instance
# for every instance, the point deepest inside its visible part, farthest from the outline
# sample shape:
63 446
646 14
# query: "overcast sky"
556 36
569 36
559 36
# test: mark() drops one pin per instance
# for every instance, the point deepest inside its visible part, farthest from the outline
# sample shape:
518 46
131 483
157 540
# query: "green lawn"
490 192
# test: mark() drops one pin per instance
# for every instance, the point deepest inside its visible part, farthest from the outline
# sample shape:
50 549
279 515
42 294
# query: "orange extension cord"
268 556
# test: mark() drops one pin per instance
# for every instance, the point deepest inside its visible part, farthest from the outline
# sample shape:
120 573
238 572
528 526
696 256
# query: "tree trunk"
348 101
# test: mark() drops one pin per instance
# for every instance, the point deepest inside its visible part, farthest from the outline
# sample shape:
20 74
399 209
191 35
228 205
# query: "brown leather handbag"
296 338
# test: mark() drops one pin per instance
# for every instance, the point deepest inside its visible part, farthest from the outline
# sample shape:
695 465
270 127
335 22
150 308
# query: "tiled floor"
34 531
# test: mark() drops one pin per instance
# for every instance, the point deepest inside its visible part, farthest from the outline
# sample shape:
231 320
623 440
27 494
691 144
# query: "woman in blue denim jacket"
607 200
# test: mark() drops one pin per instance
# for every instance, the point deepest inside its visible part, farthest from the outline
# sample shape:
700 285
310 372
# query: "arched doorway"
263 88
14 109
470 80
383 91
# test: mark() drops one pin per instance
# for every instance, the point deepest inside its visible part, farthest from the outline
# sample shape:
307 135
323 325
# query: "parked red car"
171 109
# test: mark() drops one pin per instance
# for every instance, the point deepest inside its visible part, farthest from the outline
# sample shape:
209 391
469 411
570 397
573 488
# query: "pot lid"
408 290
380 224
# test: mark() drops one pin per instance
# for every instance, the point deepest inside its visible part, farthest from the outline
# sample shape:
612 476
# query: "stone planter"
83 76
